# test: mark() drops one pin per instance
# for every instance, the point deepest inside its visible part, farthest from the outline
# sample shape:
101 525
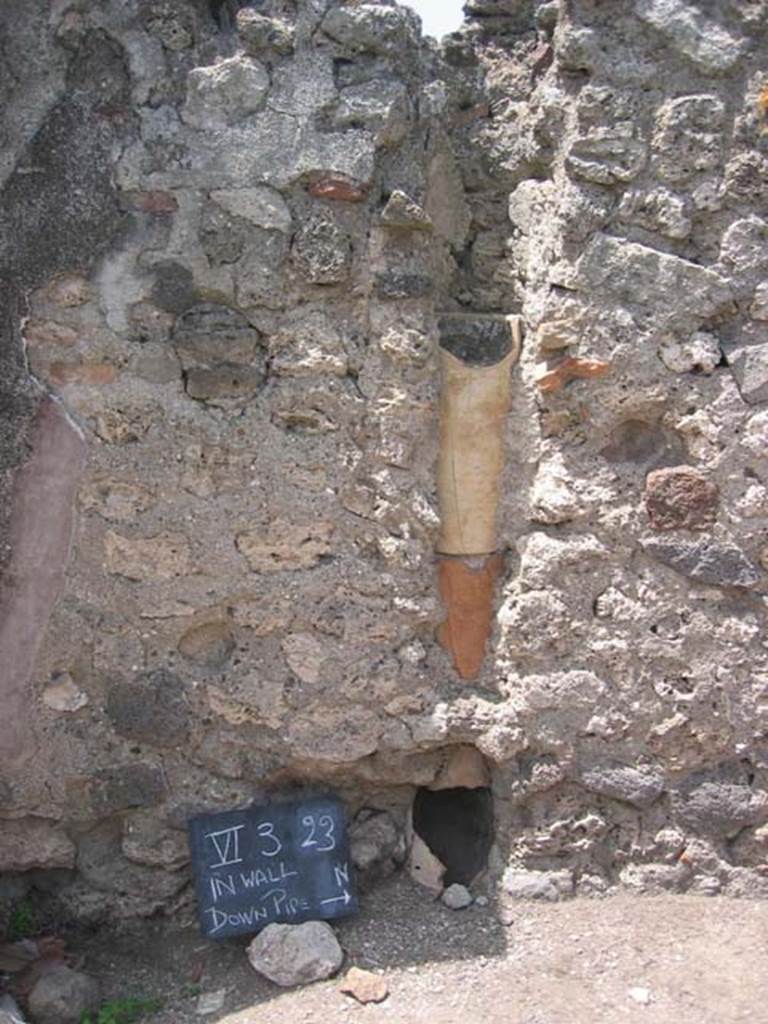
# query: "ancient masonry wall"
226 243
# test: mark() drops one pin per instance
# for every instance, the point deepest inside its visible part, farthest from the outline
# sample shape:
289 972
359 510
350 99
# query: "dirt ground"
700 961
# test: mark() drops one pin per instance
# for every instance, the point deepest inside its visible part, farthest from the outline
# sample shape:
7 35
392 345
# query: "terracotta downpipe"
476 357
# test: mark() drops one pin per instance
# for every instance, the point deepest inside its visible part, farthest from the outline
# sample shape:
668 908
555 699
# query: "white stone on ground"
640 995
457 897
211 1002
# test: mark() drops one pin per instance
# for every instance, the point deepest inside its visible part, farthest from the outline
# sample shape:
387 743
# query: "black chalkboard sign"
284 862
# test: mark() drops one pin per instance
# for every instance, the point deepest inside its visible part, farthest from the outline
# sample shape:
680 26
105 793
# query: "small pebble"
457 897
211 1002
640 995
364 986
506 916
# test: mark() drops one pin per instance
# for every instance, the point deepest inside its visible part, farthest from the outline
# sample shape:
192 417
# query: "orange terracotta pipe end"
468 592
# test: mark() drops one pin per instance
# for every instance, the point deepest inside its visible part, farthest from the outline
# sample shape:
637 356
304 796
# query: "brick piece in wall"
571 368
716 563
154 201
338 189
93 374
681 498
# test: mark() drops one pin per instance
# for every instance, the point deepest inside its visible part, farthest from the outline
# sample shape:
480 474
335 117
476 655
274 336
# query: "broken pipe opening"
457 827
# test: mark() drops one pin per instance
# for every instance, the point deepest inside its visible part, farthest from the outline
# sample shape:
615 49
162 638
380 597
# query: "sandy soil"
702 961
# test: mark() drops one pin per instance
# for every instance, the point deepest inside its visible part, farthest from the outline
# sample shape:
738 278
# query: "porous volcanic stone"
720 809
680 498
258 33
637 786
707 561
119 787
151 709
322 251
296 954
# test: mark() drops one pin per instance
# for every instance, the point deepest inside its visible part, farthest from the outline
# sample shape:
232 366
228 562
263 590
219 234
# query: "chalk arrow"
345 899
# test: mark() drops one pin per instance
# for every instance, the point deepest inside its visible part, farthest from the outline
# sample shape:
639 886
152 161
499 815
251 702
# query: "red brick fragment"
339 189
82 373
572 368
49 332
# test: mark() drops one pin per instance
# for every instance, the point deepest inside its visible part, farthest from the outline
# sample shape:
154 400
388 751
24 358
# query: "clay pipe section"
476 356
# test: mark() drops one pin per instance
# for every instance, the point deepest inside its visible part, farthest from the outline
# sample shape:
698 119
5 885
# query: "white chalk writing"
222 887
345 898
266 876
267 831
325 826
227 846
242 918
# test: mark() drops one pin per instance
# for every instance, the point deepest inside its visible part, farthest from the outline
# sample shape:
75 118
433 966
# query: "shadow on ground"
400 926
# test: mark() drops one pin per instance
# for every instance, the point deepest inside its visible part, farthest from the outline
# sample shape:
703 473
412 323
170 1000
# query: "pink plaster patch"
40 536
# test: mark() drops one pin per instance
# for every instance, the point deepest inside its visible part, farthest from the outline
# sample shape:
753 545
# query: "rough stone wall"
228 237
